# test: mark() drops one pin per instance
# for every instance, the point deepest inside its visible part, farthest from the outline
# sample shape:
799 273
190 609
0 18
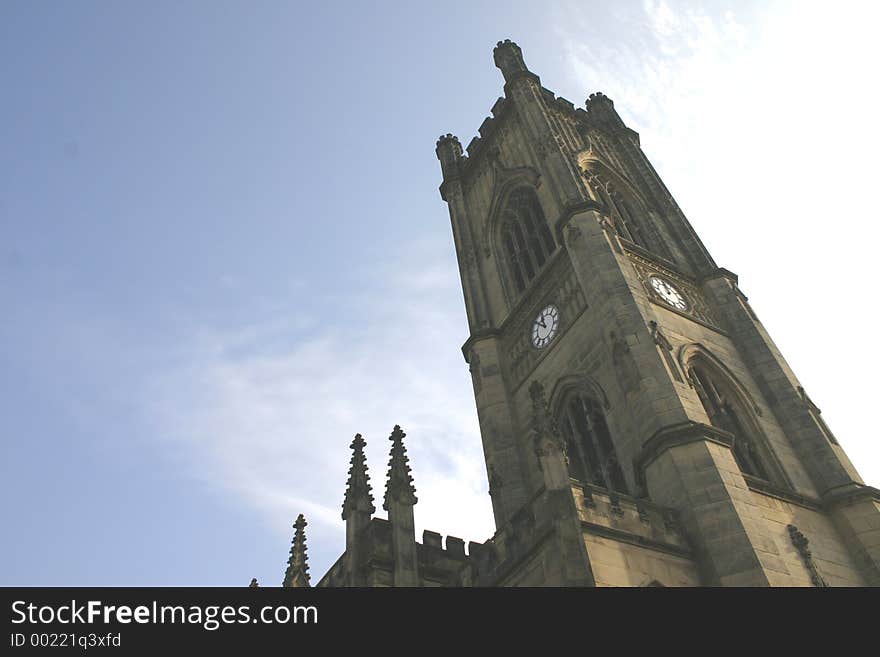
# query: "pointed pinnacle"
297 573
400 481
358 495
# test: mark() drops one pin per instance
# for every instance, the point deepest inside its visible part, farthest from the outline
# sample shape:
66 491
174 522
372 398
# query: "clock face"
668 293
545 326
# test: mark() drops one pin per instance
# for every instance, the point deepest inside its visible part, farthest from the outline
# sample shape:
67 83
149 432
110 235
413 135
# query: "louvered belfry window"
592 458
526 238
725 413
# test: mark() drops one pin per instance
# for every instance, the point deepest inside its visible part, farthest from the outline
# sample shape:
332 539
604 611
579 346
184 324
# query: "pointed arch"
627 208
578 405
730 407
688 353
517 232
504 182
577 382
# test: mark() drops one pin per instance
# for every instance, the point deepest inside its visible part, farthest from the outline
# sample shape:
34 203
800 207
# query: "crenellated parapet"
638 425
630 519
509 59
559 527
600 110
450 154
442 562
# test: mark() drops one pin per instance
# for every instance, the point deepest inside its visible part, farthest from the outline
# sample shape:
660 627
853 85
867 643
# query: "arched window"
726 412
591 454
525 237
629 216
628 225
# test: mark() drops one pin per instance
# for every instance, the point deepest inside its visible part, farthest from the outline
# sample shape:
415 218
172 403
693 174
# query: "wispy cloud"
740 132
267 410
758 119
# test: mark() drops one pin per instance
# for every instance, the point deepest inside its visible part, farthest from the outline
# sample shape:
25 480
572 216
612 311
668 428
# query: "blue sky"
223 252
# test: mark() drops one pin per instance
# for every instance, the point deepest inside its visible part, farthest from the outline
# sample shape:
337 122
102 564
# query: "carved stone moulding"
697 308
557 285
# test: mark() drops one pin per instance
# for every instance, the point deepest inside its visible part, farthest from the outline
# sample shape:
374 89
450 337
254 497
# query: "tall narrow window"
629 226
725 413
525 237
591 455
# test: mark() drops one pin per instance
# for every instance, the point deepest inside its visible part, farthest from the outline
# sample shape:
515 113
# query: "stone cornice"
719 272
570 210
768 489
476 336
676 435
844 496
446 184
635 539
520 75
634 249
689 432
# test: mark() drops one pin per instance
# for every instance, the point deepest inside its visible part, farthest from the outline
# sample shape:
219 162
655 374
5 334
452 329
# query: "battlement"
628 408
628 519
598 112
432 541
438 564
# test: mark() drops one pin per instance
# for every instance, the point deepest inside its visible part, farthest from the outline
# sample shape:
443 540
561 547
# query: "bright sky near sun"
223 251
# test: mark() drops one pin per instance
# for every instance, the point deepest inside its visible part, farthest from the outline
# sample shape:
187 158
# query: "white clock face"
545 326
669 293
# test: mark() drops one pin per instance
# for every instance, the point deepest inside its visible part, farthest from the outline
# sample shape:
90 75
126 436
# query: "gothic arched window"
627 224
726 412
525 237
591 455
629 215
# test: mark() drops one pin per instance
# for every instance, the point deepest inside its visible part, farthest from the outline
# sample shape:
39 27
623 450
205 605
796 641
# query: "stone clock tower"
640 427
639 424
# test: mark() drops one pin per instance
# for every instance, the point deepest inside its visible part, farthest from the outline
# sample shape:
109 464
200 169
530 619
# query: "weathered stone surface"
639 426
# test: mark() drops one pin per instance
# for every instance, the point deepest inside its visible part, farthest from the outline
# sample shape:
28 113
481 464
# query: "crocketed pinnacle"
358 492
297 575
400 482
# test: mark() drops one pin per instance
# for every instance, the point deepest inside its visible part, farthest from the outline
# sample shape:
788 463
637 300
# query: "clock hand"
540 321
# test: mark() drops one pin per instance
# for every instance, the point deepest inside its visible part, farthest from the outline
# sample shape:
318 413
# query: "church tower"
639 425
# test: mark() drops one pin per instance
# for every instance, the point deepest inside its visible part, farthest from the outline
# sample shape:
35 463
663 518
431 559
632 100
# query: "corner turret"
449 152
508 58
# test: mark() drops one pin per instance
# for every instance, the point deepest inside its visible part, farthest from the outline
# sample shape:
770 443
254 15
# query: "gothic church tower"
640 427
639 424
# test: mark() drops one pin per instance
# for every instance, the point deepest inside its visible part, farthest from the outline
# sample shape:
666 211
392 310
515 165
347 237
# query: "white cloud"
272 425
769 164
760 122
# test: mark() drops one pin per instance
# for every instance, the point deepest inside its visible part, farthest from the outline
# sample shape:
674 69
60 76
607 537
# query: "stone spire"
358 495
400 482
357 511
400 498
297 575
